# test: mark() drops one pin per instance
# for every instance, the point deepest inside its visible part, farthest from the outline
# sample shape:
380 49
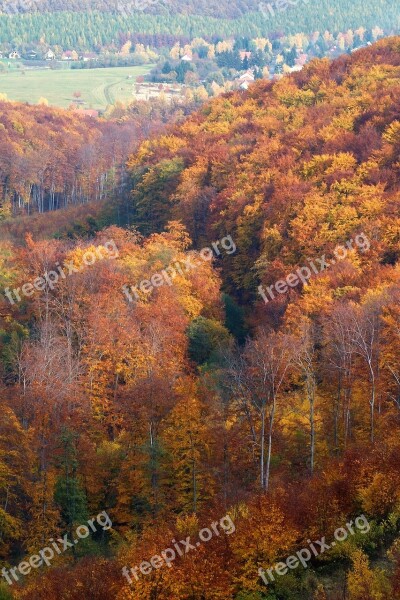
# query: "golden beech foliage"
172 405
45 515
264 536
15 457
186 438
382 495
365 583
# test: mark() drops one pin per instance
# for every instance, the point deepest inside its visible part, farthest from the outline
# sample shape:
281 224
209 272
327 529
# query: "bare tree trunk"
262 456
372 406
271 426
336 414
311 397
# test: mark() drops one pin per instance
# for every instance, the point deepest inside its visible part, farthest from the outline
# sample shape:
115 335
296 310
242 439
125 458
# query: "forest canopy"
173 406
95 28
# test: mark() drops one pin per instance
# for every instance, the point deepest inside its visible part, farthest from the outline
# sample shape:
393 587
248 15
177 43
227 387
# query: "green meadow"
98 87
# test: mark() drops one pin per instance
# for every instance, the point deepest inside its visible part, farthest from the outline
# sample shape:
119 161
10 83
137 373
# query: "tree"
306 361
257 379
152 196
186 438
14 467
69 493
206 336
365 327
365 583
340 356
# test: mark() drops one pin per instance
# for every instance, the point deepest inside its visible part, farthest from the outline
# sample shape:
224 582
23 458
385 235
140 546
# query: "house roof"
301 59
247 77
87 112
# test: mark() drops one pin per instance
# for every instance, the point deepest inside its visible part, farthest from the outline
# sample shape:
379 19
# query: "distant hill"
203 7
355 13
88 25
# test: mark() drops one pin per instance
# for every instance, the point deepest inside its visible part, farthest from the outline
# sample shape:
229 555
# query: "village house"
89 56
247 77
14 55
87 112
69 55
49 55
301 59
244 80
295 69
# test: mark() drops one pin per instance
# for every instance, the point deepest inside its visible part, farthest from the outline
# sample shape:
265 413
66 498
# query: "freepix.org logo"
131 6
14 7
315 549
50 279
180 548
304 273
167 275
269 9
56 547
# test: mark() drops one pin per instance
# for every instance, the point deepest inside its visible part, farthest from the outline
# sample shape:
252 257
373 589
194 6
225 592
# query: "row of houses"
68 55
73 55
247 78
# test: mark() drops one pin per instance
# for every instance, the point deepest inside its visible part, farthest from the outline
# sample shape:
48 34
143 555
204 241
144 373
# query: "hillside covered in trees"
51 159
163 384
94 28
287 168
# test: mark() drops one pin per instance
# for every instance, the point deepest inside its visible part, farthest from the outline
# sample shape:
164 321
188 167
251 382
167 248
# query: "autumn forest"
200 343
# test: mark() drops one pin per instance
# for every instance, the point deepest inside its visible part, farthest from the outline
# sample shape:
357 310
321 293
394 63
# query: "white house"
247 77
296 69
89 56
49 55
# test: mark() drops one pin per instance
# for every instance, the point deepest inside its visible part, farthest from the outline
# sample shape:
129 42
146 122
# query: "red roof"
87 112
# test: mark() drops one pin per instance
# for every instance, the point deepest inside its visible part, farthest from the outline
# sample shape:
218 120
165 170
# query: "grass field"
98 87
